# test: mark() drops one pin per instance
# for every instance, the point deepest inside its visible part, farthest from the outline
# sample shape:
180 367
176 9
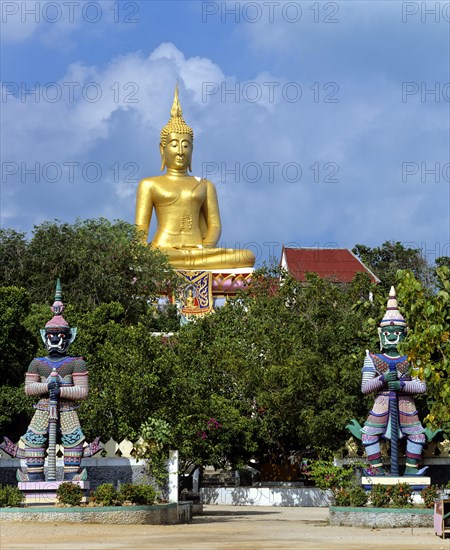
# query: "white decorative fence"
111 449
115 463
127 449
434 453
437 450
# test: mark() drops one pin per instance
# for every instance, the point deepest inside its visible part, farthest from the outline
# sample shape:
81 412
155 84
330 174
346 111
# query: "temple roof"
339 265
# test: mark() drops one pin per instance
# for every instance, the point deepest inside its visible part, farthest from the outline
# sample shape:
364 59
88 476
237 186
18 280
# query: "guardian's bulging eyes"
57 341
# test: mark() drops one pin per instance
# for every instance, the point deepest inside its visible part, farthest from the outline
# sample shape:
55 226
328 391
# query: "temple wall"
265 496
116 463
100 470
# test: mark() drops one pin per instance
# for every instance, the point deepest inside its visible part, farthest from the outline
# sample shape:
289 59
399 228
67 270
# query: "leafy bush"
137 494
147 494
342 497
106 495
429 494
358 497
156 435
328 476
127 492
10 497
379 497
69 493
400 495
340 480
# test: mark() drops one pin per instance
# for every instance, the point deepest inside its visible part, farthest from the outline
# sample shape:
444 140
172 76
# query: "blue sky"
333 136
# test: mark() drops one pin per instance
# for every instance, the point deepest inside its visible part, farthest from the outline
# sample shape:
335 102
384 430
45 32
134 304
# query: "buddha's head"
393 327
176 140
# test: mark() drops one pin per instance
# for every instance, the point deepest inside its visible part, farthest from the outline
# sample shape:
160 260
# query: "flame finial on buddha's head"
176 124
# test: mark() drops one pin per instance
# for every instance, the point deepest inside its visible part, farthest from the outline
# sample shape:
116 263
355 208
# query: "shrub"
342 497
137 494
429 494
146 494
401 495
106 495
69 493
379 497
358 497
10 497
127 492
328 476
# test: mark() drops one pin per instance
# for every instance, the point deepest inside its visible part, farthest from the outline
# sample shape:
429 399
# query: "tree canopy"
427 344
387 259
274 373
98 262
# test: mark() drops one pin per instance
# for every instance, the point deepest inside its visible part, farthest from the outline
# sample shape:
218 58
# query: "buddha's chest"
185 194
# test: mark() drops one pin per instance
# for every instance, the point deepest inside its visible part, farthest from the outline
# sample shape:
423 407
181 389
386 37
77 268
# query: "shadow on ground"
219 516
222 516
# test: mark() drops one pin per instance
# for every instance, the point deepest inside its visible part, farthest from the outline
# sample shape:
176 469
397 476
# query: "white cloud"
368 134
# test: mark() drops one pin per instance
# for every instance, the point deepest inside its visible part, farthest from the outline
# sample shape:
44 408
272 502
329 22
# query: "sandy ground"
221 528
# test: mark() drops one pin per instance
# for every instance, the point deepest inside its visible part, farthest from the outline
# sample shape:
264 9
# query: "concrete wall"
265 496
163 514
100 470
380 517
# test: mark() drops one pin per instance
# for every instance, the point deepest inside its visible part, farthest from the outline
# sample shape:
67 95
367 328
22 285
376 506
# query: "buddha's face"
177 152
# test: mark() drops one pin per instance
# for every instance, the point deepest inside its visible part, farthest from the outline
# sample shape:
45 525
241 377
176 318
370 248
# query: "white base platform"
393 480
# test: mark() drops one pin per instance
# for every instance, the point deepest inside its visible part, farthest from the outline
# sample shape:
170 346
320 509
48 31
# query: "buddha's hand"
189 247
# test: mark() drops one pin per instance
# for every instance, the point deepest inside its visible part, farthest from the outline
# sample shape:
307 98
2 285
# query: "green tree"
18 345
125 380
311 349
443 261
279 369
110 283
387 259
210 422
13 248
427 343
99 262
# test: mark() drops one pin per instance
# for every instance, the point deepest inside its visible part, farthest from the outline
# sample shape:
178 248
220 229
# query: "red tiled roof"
337 264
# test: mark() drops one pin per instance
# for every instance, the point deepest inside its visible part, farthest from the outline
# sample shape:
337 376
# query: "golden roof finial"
176 124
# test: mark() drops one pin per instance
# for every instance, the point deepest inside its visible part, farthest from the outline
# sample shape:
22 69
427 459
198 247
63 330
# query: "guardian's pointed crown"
392 315
57 321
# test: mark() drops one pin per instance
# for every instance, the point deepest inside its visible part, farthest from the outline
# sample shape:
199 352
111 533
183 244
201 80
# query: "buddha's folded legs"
209 258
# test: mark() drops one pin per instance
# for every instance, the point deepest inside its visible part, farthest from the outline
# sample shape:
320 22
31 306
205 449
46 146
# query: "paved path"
221 528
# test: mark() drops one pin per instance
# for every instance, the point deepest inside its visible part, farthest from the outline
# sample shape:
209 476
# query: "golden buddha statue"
187 210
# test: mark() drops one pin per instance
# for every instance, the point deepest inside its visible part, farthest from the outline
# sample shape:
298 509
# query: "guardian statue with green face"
393 380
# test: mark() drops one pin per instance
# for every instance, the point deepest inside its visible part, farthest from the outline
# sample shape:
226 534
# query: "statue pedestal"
43 493
202 289
228 282
417 483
